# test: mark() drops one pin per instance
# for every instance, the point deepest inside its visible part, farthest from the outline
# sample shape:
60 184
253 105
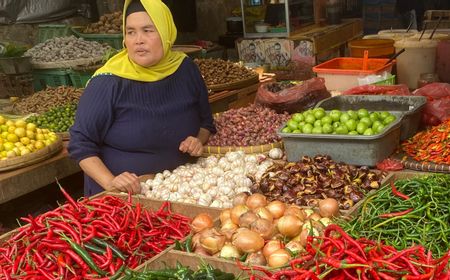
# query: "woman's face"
142 40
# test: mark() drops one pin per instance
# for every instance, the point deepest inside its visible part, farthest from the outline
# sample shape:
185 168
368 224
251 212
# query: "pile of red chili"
336 256
90 239
432 145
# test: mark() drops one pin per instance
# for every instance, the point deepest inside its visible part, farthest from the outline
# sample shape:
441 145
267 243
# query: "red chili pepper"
396 214
68 197
397 193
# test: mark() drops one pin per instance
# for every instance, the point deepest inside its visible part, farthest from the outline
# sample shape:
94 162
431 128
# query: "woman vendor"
145 110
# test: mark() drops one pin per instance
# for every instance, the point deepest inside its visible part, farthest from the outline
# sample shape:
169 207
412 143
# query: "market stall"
342 173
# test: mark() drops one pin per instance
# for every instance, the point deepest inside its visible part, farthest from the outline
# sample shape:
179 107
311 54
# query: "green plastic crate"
79 79
48 31
114 40
52 78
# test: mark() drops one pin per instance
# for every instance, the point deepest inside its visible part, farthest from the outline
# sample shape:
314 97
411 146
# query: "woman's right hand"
125 182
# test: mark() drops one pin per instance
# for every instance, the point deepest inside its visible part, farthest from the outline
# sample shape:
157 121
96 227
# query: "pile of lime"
19 138
351 122
58 119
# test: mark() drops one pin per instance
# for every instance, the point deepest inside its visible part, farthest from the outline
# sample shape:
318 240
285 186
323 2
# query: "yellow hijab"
121 65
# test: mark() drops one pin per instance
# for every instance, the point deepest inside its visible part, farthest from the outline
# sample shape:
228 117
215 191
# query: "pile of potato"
107 24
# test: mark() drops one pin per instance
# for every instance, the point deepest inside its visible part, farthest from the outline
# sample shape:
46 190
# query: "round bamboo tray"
259 149
32 158
236 85
64 135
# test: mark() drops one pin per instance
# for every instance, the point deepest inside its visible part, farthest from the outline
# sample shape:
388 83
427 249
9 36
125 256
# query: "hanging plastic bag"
438 102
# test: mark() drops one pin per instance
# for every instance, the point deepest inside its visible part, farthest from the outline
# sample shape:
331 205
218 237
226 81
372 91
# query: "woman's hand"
125 182
192 145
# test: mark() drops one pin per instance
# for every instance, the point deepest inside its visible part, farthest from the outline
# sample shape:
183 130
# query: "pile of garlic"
212 181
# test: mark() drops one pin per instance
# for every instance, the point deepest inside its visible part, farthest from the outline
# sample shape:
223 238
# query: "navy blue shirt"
138 126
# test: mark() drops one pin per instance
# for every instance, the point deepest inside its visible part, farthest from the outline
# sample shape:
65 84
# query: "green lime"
353 132
344 117
375 116
384 114
318 123
351 124
375 125
366 120
327 119
310 119
286 130
336 124
307 128
317 130
327 128
292 124
363 113
368 132
296 131
319 113
298 117
380 128
389 119
335 115
353 114
361 127
341 130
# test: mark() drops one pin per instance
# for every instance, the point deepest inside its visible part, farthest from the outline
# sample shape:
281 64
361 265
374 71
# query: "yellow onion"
271 246
212 240
229 251
328 207
264 227
295 211
256 258
240 199
279 258
247 241
276 208
289 225
202 221
237 211
263 213
246 219
295 246
225 215
228 228
256 200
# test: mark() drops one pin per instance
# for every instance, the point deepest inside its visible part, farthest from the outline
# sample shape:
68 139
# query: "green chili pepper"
105 244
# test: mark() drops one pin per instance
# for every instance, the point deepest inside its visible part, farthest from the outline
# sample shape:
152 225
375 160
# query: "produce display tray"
222 150
170 258
31 158
411 107
235 85
351 149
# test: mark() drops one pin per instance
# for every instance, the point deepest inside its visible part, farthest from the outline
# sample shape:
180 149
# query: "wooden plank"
21 181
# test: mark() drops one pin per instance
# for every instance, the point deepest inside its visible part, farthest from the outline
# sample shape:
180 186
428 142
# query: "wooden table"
21 181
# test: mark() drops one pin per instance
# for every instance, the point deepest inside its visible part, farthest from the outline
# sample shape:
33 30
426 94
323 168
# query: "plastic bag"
438 102
378 90
294 99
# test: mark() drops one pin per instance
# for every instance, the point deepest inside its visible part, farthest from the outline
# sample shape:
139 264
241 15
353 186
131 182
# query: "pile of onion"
269 233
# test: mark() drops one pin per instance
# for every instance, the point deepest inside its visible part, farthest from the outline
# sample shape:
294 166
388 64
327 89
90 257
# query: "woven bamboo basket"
32 158
66 63
236 85
259 149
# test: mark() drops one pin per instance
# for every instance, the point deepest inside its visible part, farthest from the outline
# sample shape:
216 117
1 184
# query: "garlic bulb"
166 173
217 203
275 153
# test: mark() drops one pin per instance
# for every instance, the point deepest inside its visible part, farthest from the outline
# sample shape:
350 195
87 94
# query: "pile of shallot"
247 126
261 232
212 181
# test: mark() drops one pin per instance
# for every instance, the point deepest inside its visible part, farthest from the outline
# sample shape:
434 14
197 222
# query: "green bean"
428 224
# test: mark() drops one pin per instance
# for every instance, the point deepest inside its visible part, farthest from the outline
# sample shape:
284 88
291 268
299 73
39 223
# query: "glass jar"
427 78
